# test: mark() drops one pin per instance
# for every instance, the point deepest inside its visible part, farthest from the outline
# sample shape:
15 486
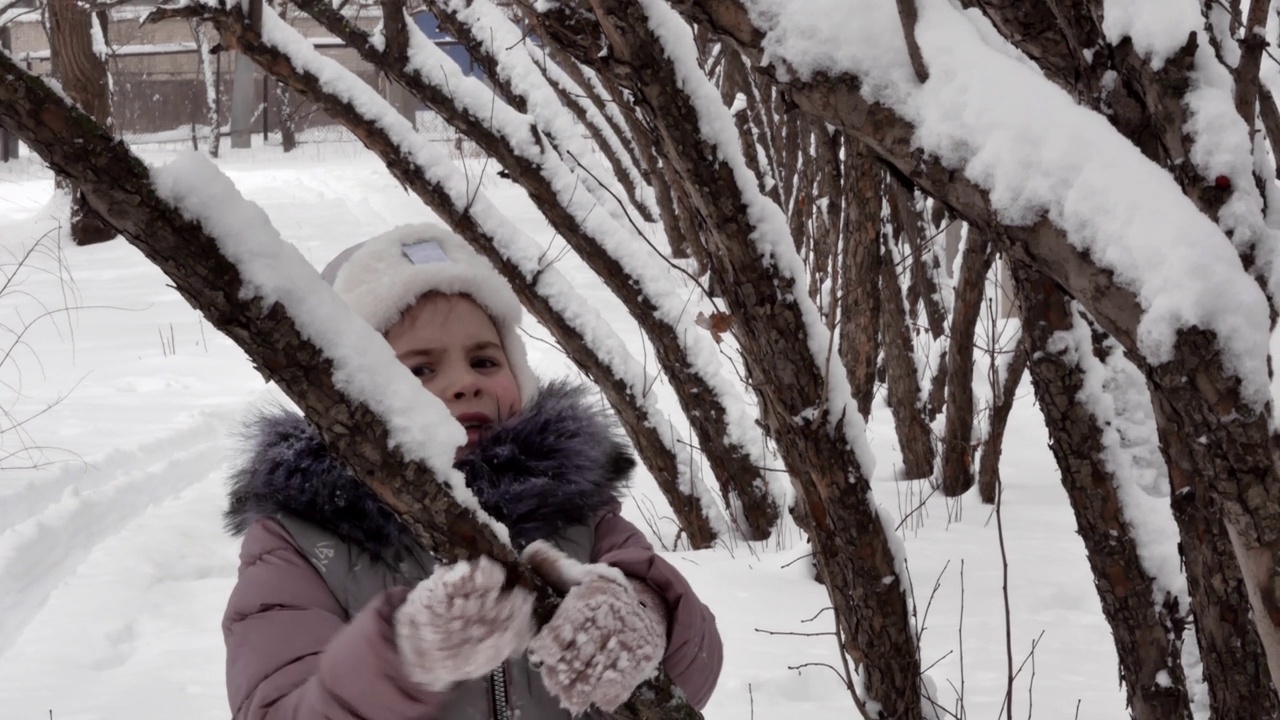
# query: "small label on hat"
427 252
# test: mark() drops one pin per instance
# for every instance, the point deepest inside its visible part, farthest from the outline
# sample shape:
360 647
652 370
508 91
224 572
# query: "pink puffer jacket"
293 654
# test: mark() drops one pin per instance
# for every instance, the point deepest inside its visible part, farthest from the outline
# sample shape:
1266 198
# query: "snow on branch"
599 125
487 32
1115 394
1036 155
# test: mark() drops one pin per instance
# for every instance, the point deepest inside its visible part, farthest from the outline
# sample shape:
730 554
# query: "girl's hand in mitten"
461 623
607 637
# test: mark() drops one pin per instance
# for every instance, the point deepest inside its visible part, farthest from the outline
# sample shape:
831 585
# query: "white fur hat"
382 277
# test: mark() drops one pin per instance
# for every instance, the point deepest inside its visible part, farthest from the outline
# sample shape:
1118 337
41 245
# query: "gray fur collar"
555 466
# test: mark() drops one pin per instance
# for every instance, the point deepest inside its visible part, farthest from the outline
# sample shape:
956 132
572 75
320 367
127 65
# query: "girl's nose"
466 386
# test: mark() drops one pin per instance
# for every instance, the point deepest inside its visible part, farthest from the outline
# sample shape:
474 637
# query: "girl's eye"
420 371
484 363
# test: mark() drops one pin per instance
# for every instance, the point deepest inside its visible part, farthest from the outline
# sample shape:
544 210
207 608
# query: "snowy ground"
114 568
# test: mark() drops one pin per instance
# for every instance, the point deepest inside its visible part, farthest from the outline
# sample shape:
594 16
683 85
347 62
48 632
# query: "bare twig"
819 613
795 634
1008 621
907 11
934 664
924 618
1031 654
13 5
934 487
642 235
802 666
960 633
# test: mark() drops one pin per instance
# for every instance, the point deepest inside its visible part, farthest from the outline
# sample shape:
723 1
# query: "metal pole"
217 92
266 106
242 102
8 141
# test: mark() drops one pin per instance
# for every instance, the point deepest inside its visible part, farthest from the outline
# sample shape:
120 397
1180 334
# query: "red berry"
1222 182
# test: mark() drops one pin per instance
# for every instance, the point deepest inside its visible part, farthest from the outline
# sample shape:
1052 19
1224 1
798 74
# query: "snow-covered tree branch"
226 259
975 137
803 390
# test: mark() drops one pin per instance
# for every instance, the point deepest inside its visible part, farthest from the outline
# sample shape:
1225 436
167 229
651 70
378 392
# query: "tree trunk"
860 275
825 215
915 437
83 75
209 75
998 420
926 269
1236 668
1148 636
8 141
288 136
957 438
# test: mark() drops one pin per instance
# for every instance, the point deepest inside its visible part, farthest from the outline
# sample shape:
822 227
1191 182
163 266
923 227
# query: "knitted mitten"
607 637
461 623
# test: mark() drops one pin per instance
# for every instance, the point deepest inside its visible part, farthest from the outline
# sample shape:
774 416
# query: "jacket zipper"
498 683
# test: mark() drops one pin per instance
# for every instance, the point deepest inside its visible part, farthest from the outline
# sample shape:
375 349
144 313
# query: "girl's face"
450 343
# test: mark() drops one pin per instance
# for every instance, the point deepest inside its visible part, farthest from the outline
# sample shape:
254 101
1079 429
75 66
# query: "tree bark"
915 437
827 210
84 78
118 184
1148 636
998 420
1236 666
957 439
860 275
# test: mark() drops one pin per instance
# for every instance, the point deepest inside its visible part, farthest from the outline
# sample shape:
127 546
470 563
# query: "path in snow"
48 529
143 604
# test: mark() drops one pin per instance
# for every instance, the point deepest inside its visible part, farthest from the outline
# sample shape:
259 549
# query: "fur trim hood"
554 466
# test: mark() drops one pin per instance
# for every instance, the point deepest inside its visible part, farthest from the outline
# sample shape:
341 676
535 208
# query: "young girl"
338 613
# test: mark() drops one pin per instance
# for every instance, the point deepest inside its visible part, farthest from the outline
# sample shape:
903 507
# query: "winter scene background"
1157 227
116 568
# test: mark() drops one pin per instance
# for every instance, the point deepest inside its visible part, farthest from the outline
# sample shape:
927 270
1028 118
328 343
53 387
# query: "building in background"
159 88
